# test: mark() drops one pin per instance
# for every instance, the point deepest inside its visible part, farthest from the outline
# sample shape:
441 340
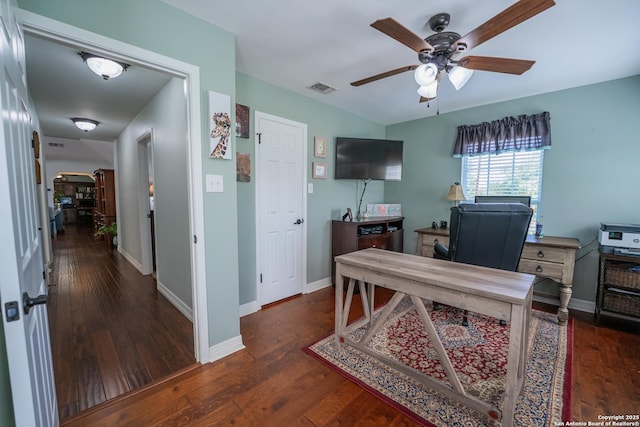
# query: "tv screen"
362 158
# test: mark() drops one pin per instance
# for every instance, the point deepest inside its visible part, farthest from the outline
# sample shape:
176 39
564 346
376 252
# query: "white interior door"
281 207
145 192
21 263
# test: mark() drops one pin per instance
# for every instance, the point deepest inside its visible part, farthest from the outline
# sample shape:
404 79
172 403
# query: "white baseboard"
574 304
225 348
175 301
317 285
249 308
131 259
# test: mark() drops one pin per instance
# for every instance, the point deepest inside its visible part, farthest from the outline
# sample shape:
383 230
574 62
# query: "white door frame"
145 146
259 187
63 33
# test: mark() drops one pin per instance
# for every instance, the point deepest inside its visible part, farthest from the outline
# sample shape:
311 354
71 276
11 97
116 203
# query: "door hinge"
195 239
260 277
259 138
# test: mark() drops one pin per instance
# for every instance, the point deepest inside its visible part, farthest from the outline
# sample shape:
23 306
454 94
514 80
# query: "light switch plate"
310 187
214 184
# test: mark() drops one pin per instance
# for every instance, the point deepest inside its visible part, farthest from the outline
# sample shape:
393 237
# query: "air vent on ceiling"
323 88
56 144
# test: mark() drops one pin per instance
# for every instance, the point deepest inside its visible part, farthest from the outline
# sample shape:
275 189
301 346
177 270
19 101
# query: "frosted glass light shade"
105 68
425 74
85 124
429 91
459 76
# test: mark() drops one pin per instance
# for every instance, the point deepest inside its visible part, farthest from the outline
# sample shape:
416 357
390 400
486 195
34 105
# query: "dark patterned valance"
507 134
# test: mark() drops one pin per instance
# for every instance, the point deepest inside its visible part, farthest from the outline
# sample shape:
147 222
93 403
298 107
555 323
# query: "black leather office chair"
486 234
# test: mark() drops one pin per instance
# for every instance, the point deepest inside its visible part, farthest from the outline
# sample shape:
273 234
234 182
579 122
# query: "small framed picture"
320 147
319 170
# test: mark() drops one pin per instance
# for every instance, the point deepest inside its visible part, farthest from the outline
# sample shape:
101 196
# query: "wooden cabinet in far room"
105 211
373 232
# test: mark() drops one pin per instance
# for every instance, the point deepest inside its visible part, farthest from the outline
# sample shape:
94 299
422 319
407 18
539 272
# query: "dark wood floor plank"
98 301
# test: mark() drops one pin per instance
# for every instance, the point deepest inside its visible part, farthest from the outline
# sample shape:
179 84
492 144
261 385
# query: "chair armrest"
440 251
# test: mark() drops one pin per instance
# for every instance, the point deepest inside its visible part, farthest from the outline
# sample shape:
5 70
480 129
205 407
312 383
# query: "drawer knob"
539 269
540 254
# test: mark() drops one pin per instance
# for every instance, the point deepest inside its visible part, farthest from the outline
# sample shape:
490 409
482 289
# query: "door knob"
28 302
299 221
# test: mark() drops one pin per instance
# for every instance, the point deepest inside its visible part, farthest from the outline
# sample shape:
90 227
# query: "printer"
619 239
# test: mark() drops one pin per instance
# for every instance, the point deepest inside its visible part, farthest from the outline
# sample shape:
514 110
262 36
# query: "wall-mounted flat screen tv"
363 158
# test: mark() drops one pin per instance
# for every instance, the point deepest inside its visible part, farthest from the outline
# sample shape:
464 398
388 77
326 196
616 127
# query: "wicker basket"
620 276
621 303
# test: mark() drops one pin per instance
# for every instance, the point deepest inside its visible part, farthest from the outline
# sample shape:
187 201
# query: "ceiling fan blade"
497 65
397 31
423 99
383 75
515 14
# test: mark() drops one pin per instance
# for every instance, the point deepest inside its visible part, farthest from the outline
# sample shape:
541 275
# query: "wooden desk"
501 294
547 257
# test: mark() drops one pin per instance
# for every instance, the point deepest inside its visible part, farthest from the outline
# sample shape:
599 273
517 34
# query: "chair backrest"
489 234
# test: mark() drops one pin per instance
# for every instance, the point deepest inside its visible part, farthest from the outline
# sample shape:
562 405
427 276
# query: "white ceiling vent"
56 144
322 88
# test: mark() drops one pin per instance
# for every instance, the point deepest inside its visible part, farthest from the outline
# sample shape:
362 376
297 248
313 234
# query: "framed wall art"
320 147
319 170
219 126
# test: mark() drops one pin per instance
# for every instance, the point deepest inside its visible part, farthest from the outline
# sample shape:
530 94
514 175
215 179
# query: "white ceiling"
293 44
62 87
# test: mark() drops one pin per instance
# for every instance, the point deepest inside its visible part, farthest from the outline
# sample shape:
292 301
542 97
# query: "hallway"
111 331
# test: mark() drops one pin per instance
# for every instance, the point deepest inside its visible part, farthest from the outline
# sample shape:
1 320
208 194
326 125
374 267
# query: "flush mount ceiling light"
85 124
105 68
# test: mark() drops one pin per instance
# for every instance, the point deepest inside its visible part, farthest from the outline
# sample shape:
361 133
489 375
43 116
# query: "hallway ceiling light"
105 68
85 124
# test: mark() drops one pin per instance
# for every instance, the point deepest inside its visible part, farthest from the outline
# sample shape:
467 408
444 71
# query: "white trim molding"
249 308
317 285
175 301
225 348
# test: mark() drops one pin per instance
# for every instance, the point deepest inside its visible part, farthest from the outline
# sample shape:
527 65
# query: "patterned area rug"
479 355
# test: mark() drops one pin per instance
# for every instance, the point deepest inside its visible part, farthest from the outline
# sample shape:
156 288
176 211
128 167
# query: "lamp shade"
456 193
425 74
85 124
429 91
459 76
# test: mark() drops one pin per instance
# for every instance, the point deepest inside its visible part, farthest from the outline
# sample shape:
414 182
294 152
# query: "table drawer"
543 253
541 268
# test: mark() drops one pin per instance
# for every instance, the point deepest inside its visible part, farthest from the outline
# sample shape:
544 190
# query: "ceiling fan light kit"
459 76
438 52
425 74
429 91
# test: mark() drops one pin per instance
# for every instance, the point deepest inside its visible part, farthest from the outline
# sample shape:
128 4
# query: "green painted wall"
590 174
330 197
158 27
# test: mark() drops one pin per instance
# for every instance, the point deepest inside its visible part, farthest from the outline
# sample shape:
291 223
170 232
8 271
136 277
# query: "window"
505 174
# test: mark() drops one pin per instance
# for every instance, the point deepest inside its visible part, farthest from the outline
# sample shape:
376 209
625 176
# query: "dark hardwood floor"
111 331
273 383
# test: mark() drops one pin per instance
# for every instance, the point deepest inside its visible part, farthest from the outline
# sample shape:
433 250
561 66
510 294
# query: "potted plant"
111 232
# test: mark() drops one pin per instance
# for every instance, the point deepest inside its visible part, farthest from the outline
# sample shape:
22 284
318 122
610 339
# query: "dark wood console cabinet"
373 232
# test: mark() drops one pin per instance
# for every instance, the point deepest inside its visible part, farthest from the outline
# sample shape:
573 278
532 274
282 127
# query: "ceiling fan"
438 52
